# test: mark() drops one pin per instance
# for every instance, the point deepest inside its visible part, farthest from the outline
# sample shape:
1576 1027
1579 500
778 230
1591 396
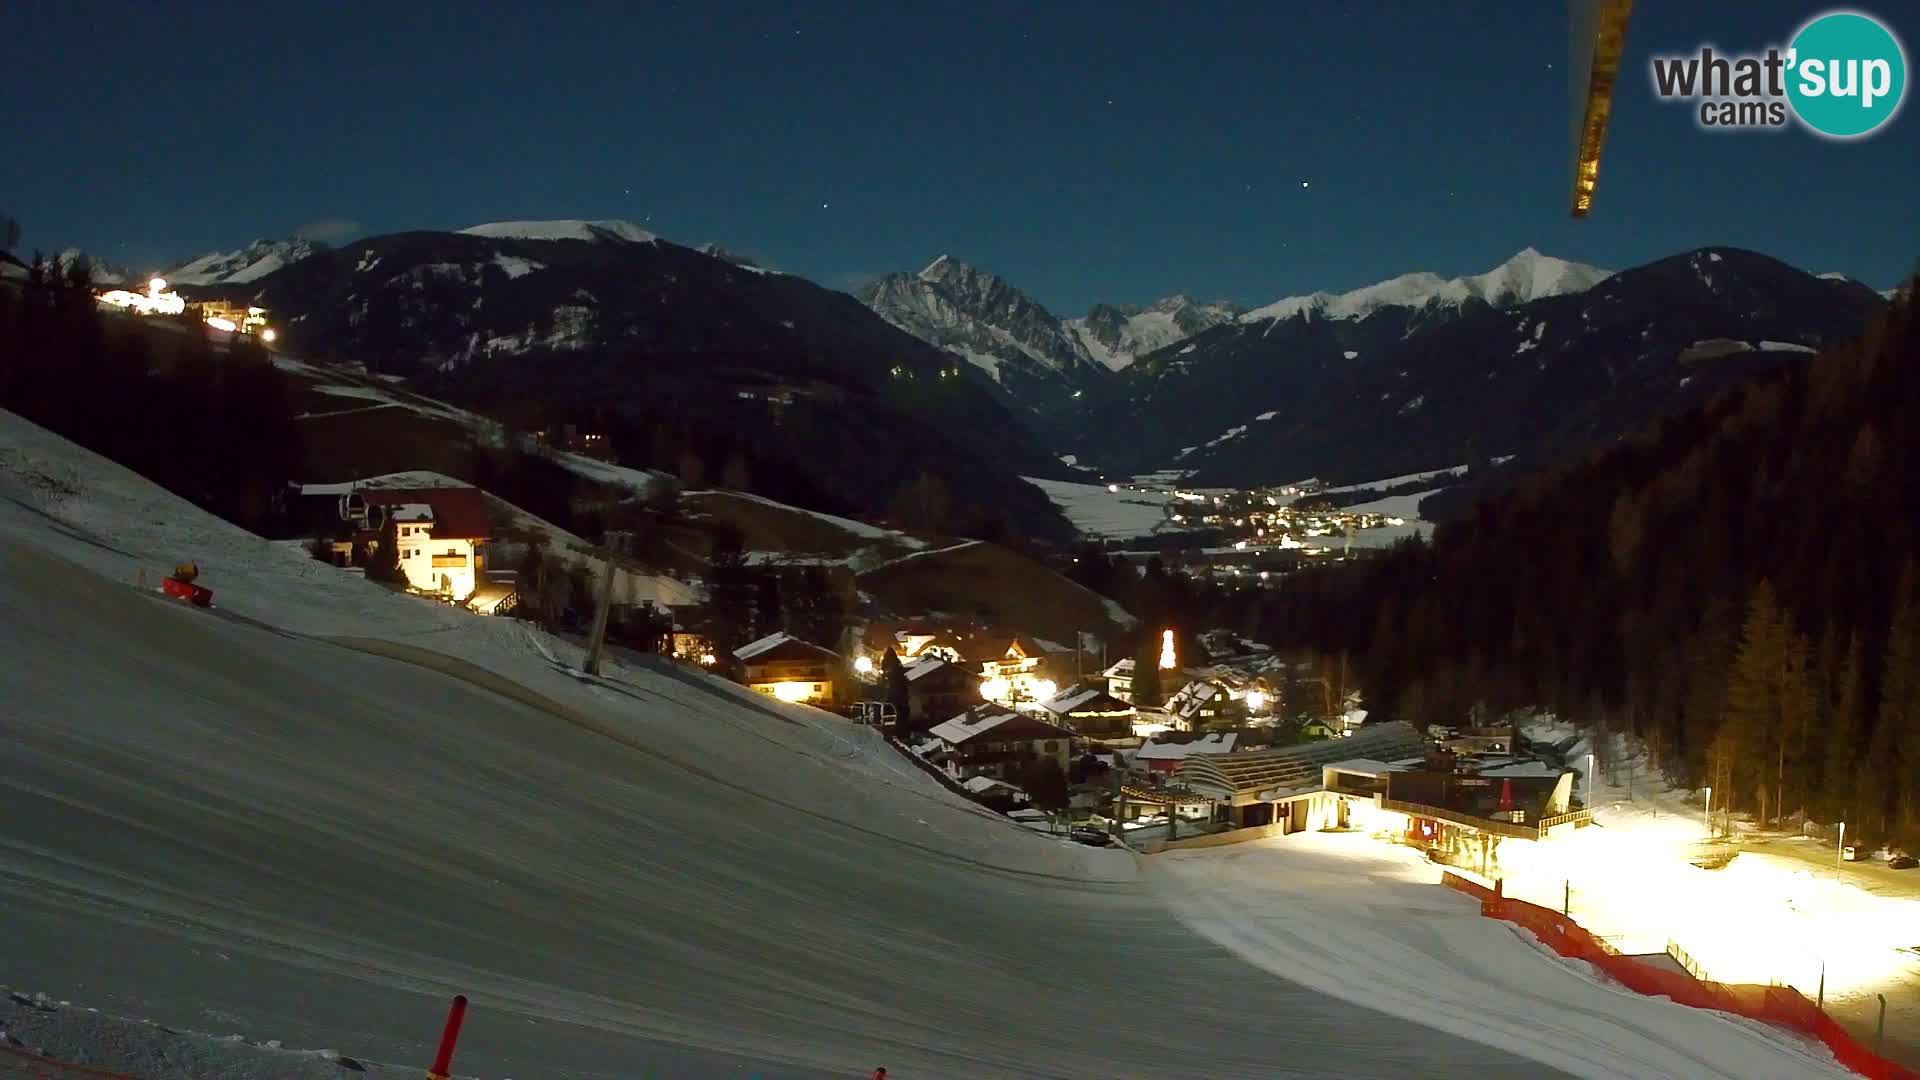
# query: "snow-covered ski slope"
234 822
1360 919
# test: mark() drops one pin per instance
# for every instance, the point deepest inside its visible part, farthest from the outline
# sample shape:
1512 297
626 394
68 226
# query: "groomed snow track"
229 821
226 829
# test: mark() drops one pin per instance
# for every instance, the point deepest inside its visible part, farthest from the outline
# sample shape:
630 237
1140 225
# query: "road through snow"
1361 920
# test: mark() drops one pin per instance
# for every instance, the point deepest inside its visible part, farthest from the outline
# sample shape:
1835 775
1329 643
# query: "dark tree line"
214 426
748 601
1737 586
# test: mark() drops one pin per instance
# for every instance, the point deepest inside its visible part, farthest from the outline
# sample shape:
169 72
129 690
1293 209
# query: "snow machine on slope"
182 585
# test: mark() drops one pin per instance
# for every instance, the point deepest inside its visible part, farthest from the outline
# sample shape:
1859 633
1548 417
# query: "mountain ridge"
1405 387
764 373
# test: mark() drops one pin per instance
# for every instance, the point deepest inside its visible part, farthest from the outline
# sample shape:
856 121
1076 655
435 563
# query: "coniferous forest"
1737 586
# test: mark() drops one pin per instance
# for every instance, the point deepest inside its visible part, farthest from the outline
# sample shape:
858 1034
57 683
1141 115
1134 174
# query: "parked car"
1901 862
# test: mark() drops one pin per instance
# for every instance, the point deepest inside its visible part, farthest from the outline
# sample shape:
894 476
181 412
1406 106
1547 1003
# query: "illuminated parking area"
1759 919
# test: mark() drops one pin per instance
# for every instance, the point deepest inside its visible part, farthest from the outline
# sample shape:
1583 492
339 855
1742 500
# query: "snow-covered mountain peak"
1528 275
1117 334
978 315
955 275
609 230
715 251
101 271
250 263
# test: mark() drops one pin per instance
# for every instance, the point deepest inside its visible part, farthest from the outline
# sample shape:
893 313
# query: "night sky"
1086 151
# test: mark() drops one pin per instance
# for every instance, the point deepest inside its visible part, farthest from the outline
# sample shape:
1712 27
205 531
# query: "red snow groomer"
181 585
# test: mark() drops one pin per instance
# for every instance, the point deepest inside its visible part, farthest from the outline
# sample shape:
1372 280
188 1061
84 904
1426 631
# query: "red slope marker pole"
443 1060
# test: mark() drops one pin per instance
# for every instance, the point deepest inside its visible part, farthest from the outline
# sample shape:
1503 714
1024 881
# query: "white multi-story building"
441 533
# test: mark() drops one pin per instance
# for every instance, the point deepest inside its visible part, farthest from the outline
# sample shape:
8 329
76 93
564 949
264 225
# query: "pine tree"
1846 733
385 564
727 616
1146 674
1045 783
894 674
735 475
1895 748
1766 700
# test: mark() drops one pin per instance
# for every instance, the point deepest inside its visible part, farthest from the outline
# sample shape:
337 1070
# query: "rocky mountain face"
1538 360
995 327
1117 335
731 360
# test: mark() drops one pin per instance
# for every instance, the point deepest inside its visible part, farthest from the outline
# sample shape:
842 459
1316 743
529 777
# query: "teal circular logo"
1847 74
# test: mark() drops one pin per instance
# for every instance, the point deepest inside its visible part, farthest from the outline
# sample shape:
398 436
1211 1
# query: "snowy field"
1396 481
1405 507
1364 922
309 816
1099 513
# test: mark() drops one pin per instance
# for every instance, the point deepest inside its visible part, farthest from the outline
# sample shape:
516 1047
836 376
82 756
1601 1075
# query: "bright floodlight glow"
268 334
709 659
863 665
791 691
219 323
1044 690
1166 649
157 285
1256 700
1113 487
995 689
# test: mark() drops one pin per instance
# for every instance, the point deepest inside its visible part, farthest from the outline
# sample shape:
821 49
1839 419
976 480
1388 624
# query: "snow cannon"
181 586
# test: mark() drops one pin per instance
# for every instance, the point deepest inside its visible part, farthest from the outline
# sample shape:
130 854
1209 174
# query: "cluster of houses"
989 709
988 706
992 709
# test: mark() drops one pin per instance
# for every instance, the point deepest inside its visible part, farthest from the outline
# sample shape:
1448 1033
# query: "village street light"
863 665
1256 701
995 689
